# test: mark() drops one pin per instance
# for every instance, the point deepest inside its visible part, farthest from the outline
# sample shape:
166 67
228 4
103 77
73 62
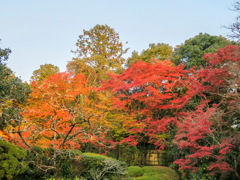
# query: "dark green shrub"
11 160
135 171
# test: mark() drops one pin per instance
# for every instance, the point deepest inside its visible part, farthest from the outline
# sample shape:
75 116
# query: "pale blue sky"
45 31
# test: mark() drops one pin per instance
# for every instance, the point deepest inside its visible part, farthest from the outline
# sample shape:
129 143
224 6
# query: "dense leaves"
44 71
159 51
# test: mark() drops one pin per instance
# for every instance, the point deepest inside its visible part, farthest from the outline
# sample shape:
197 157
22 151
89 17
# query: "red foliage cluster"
147 91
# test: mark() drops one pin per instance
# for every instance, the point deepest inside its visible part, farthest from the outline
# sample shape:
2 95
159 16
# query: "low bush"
12 161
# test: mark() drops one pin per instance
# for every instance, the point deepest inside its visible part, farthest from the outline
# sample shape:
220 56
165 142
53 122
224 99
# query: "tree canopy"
99 51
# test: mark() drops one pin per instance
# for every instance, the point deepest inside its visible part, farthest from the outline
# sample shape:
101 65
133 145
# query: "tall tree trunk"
54 144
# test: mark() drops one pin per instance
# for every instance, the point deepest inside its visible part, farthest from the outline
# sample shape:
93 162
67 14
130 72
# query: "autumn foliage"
194 110
57 110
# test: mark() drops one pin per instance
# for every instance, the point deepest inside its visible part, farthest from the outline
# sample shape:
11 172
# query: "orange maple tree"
58 111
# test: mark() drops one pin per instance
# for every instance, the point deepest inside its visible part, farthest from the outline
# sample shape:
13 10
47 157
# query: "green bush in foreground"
135 171
156 173
11 161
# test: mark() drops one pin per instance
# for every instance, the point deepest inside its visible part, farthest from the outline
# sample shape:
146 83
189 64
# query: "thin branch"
20 134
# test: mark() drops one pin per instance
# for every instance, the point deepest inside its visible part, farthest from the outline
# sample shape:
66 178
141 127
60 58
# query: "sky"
45 31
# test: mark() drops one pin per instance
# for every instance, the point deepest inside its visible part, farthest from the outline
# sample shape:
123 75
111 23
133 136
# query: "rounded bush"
135 171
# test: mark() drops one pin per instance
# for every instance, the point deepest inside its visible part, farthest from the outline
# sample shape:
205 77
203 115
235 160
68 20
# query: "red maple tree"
152 93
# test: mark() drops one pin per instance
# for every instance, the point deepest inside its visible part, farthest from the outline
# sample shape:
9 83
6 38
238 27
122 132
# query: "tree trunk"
58 173
54 144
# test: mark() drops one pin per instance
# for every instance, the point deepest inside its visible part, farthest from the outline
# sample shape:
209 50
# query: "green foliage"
44 71
191 52
159 51
12 161
135 171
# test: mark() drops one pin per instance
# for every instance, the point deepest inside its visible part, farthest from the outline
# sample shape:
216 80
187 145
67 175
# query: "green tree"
13 93
159 51
43 72
191 52
99 51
